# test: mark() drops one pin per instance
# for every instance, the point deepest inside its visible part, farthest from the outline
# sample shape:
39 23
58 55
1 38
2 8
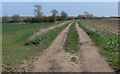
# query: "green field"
15 35
72 42
108 45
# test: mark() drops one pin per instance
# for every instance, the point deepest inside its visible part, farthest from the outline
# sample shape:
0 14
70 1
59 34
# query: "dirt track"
55 59
91 61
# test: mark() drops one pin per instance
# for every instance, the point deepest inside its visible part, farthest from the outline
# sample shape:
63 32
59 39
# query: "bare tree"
64 15
91 16
80 17
86 15
37 11
54 14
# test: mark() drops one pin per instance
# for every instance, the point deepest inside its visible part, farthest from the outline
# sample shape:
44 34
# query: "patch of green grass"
72 41
108 45
14 35
73 59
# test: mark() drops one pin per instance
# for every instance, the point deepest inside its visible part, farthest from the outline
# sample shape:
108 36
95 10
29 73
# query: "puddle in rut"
83 43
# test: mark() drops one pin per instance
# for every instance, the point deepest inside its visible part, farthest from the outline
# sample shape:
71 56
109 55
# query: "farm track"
91 60
42 31
54 58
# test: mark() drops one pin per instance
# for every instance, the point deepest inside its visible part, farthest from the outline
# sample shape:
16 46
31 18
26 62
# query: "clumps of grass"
46 38
72 41
108 45
73 59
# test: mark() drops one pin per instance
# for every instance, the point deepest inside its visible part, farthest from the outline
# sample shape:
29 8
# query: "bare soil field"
104 25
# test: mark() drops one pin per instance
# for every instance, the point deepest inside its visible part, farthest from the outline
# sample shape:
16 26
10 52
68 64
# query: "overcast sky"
72 8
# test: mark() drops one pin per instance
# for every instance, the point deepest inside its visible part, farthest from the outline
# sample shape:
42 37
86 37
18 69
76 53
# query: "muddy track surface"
42 31
91 60
55 59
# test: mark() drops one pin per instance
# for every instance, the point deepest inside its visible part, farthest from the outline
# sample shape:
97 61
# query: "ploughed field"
104 25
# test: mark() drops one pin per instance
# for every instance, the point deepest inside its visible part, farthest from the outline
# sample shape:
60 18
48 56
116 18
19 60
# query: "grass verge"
108 46
72 41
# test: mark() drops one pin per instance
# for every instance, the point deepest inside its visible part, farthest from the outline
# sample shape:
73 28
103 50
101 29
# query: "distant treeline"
39 17
33 19
18 19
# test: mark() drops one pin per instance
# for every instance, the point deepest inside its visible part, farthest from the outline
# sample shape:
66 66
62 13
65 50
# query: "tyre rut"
91 60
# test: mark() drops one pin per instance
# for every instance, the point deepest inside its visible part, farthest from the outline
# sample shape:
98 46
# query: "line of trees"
86 15
14 18
39 17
